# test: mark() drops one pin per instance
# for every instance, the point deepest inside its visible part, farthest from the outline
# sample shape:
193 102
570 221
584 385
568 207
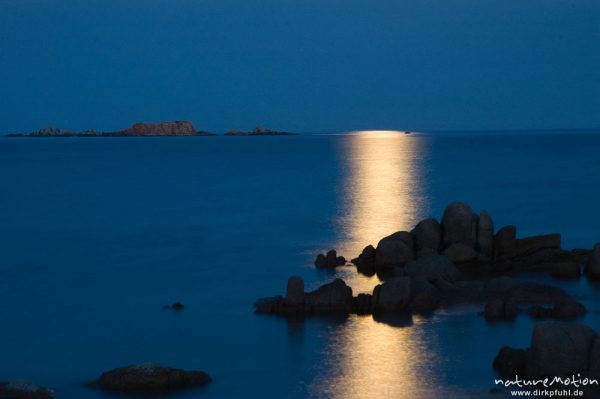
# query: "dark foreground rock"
24 390
149 378
557 349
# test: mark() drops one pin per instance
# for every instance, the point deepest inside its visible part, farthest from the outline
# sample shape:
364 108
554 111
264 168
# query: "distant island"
258 131
173 128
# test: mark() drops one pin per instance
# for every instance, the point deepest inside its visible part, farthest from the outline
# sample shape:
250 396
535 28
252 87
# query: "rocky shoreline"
463 259
174 128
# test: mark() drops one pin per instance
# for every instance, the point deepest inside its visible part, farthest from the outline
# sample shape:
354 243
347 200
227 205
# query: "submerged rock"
149 378
24 390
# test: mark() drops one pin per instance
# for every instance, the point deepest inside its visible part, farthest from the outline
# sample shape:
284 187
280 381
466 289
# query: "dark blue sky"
301 65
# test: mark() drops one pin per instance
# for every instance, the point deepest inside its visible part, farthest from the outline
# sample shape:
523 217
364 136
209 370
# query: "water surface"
96 234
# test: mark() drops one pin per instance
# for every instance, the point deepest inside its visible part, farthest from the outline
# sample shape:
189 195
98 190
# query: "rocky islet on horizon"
172 128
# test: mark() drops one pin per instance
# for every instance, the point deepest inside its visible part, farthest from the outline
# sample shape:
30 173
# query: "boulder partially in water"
392 295
557 349
24 390
394 250
149 378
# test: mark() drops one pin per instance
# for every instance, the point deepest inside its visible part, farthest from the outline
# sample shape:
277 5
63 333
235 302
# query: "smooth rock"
529 245
559 348
485 235
394 250
505 242
330 298
428 235
295 291
432 268
457 225
392 295
460 253
149 378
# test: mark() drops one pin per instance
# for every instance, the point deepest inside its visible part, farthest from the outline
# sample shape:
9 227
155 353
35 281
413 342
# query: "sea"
97 234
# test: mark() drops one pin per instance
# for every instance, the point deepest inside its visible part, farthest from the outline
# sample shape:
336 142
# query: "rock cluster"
469 240
426 285
329 260
24 390
149 378
558 349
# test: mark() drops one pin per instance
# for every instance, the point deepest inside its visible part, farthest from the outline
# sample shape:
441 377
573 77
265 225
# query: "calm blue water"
97 234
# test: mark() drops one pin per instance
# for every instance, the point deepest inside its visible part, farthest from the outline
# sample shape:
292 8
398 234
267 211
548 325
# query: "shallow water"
96 234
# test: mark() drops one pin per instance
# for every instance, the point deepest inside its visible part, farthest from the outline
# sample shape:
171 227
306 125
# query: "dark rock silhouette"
329 260
24 390
558 349
149 378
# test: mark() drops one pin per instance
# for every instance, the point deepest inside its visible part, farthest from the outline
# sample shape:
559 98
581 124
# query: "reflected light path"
383 193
